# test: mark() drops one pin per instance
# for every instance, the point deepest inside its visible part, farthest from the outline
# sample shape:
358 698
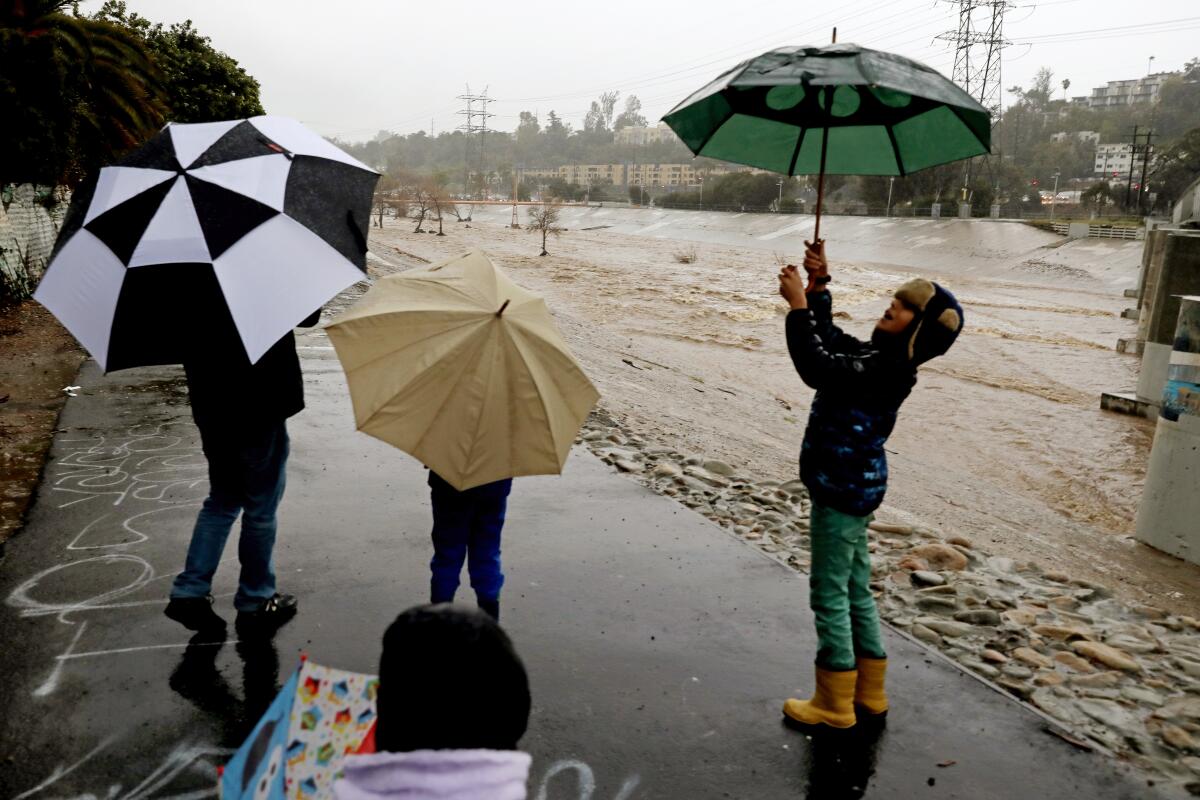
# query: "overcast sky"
349 68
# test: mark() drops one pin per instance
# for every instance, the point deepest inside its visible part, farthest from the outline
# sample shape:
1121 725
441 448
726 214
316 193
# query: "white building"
1087 137
1116 160
1126 93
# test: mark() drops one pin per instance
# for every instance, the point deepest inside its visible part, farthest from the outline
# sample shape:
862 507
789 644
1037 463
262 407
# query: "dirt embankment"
38 359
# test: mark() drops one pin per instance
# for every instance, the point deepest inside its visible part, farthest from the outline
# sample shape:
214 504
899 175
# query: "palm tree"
75 92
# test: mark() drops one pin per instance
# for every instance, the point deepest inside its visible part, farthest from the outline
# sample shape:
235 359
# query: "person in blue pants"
466 527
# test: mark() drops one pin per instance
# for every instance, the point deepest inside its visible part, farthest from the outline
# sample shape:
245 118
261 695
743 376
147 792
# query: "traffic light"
1033 182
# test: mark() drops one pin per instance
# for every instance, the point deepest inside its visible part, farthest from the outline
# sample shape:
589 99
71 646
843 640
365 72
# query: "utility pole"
1133 150
891 183
1145 164
1054 199
472 126
779 203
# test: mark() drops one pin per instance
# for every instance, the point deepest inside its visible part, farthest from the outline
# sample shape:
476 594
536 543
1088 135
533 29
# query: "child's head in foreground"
449 679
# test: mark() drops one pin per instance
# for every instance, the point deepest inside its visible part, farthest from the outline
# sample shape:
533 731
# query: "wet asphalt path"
659 648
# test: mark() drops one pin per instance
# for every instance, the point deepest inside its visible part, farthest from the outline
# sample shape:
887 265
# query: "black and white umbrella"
250 223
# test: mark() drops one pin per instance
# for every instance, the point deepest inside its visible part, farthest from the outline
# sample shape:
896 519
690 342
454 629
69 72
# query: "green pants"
840 590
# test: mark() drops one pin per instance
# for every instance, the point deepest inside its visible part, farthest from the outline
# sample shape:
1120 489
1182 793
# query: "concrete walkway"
660 649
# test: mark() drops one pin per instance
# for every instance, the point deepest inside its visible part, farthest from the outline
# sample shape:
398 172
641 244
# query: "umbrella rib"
391 353
517 346
896 150
796 152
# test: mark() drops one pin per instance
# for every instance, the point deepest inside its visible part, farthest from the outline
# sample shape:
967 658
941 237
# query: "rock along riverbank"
1123 677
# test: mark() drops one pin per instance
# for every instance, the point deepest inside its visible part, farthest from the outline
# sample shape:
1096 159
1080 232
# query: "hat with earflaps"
939 318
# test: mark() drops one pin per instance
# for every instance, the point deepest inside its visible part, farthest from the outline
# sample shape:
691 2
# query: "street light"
891 182
779 204
1149 65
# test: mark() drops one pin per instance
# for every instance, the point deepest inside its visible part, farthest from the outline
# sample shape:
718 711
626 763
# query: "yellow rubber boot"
832 703
869 695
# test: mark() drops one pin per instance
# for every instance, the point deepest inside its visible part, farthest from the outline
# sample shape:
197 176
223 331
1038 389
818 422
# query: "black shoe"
270 616
491 608
195 613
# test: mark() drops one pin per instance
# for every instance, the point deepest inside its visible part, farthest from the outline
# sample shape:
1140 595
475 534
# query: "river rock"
1177 737
923 577
1188 666
1015 687
1180 709
911 562
1017 671
794 487
667 470
943 589
939 603
1074 662
945 627
627 466
1107 712
1032 657
940 556
926 634
1048 678
994 656
1108 656
1019 617
1057 577
891 528
718 468
1097 680
1144 696
1062 633
961 541
982 616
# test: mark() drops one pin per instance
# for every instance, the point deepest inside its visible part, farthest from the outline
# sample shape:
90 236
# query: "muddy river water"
1003 439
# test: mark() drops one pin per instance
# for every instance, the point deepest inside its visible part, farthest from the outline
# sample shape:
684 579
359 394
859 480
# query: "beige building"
657 175
1116 160
642 136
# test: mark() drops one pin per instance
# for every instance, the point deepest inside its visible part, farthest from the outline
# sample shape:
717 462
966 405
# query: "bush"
686 255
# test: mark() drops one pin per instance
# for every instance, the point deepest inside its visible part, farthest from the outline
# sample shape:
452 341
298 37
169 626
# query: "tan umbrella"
463 369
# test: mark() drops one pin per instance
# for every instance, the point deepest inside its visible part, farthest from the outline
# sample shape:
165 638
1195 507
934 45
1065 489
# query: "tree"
1177 168
544 219
74 92
1066 84
1097 197
631 117
1039 91
202 83
599 117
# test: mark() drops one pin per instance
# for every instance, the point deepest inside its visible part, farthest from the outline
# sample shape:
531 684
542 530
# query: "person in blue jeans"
466 527
241 410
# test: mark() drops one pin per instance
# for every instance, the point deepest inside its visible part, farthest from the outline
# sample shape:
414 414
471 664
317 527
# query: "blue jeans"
467 524
246 475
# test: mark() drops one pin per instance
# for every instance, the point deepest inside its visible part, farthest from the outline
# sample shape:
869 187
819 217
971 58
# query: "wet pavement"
659 648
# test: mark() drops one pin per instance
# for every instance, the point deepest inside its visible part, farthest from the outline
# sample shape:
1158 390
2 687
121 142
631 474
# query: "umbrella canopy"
841 109
250 225
463 369
296 750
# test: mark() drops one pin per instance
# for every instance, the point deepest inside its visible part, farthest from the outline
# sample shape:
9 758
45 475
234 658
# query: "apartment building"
1116 160
1126 93
656 175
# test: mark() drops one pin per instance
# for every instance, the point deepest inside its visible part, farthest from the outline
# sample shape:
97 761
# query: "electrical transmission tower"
978 42
477 122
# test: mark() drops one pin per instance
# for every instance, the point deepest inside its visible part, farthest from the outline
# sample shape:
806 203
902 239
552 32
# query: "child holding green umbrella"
860 387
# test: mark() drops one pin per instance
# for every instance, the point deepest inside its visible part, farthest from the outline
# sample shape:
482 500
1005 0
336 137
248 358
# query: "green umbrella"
841 109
